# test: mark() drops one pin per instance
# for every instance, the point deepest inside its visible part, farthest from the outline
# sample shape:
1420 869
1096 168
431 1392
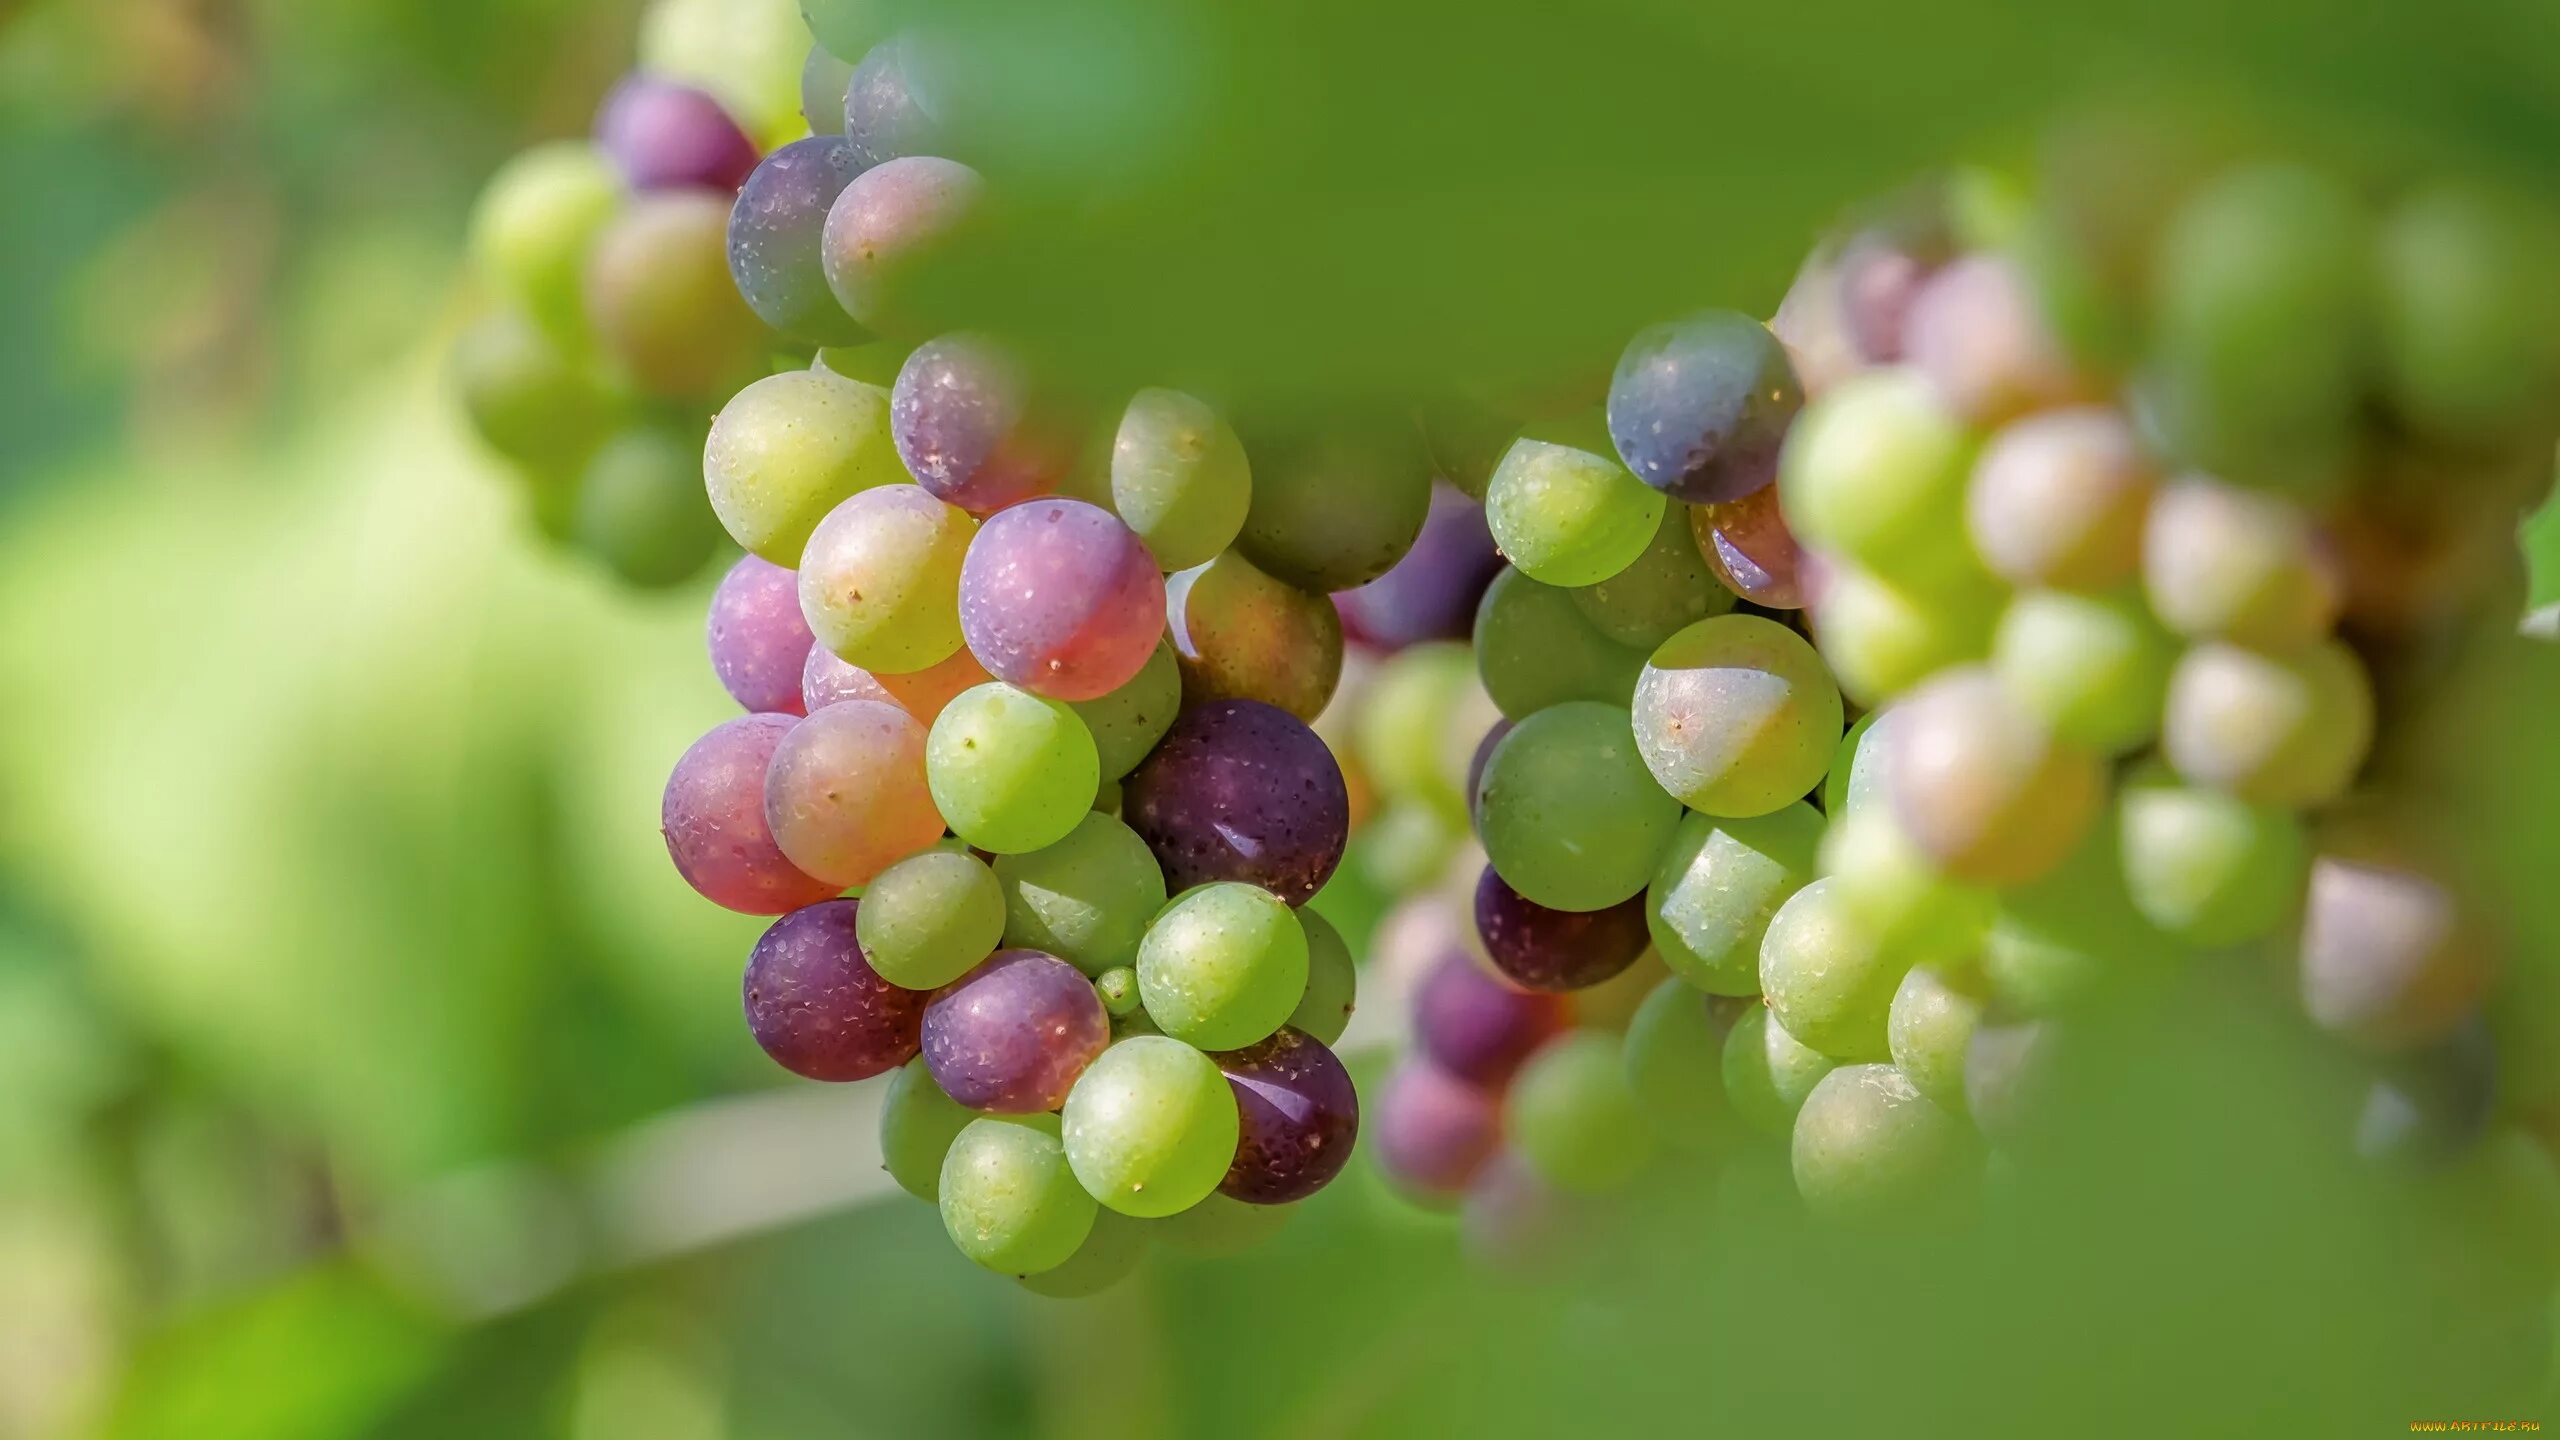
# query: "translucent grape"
1239 634
664 136
1535 648
1667 588
929 919
2058 500
1432 1133
846 29
885 232
917 1125
1223 965
1573 1118
1220 1228
2289 730
1118 987
1870 1148
525 397
823 80
1875 473
1882 638
1982 787
1747 544
759 642
2093 668
1086 899
1432 593
1129 720
640 509
845 795
2207 867
1336 507
1736 716
818 1008
2468 315
1978 336
713 817
1403 723
880 580
1897 892
1569 816
1710 900
1010 1201
889 106
1179 478
1556 950
1826 978
1475 1027
1699 407
534 226
660 301
1240 791
1768 1072
1333 981
790 448
826 679
2224 563
1011 1036
1930 1031
1152 1127
1010 771
2389 960
1857 767
1675 1067
971 429
1298 1118
1059 598
1566 515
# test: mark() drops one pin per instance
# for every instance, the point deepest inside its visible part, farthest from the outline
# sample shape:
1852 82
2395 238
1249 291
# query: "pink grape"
1477 1028
759 640
971 430
1060 598
818 1008
713 818
1011 1036
845 794
664 136
826 678
1433 1132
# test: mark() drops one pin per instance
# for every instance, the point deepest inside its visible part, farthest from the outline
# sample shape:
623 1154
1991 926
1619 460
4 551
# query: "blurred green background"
364 1070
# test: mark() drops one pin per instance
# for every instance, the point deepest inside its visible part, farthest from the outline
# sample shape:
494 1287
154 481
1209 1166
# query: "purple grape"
1240 790
1011 1036
1433 1132
1300 1116
760 643
888 109
1431 593
1556 950
1484 751
1699 407
1748 545
970 429
1058 597
713 818
884 232
665 136
775 236
1477 1028
818 1008
1878 278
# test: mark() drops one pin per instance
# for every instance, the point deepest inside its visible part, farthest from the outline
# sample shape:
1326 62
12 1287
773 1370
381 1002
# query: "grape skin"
1478 1029
1556 950
1709 903
1239 634
1535 648
1010 1200
1982 788
1335 507
1768 1072
713 817
1010 771
1057 596
1011 1036
1736 716
2389 960
1568 813
1869 1148
1087 899
2058 499
1698 408
880 580
1573 1118
818 1008
1241 791
931 918
1568 516
886 110
917 1125
790 448
1179 478
1432 1134
1151 1127
886 228
1299 1118
971 429
1747 544
2289 730
1675 1067
1333 982
1432 593
775 231
1827 980
845 792
759 643
825 679
660 302
665 136
1223 965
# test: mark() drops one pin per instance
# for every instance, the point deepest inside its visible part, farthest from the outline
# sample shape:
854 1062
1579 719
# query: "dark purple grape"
1431 593
1011 1036
1556 950
760 643
665 136
889 106
712 816
1700 406
776 233
970 429
1432 1132
1484 751
1240 790
816 1005
1477 1028
2428 1107
1300 1116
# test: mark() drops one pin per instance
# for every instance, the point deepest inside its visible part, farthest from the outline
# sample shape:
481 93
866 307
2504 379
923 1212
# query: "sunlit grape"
845 794
1870 1148
527 399
1736 716
2058 500
1569 515
2388 957
818 1008
2287 730
1986 791
2224 563
1151 1127
1239 634
1930 1030
1827 979
1010 771
1978 336
1875 472
1179 478
2093 668
532 229
1699 407
1223 965
1709 902
826 679
1882 638
713 816
880 579
1009 1199
788 449
2208 867
1897 892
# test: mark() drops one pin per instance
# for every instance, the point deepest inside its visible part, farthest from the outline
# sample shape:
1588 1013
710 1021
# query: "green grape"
1338 508
2093 668
1223 965
1118 987
1012 772
1402 729
1009 1199
525 397
1568 515
1179 478
1534 648
1874 473
1869 1148
788 449
1882 638
1407 846
1106 799
1931 1027
1572 1117
1668 588
2470 319
1151 1127
1898 894
639 508
917 1125
1719 882
1768 1072
2209 868
928 919
873 362
1569 816
2224 563
1736 716
1846 786
1333 981
533 227
1675 1067
1826 978
2056 941
2289 730
880 581
847 28
1086 899
1981 786
1239 634
1221 1227
1110 1254
1127 722
661 302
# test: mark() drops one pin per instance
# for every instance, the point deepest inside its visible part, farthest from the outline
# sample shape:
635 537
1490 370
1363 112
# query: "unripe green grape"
1407 846
1110 1254
2219 562
1572 1117
1675 1067
1983 788
1333 981
1768 1072
1930 1029
1826 978
2093 668
1567 515
926 920
1666 589
880 580
1736 716
1087 898
788 449
1882 638
2209 868
1009 1199
1179 478
1223 965
1710 900
1150 1127
527 399
746 53
1899 894
2288 730
1338 507
1874 473
1127 722
1011 771
1535 648
1870 1148
1118 987
917 1125
1857 768
639 508
1569 816
1402 728
2470 318
535 222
